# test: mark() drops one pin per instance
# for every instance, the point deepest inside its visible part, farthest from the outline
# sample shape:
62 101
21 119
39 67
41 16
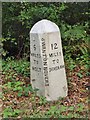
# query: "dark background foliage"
72 19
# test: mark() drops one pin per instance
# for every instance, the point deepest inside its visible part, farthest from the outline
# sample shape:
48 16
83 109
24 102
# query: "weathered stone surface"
46 61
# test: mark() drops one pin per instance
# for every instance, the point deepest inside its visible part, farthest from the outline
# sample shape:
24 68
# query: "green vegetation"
19 99
21 66
72 19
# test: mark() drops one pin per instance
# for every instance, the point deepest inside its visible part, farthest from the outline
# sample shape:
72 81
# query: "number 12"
54 46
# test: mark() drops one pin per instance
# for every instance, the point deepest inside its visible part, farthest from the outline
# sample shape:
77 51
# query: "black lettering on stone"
44 60
46 84
36 69
35 61
43 50
56 68
36 55
51 55
40 69
55 54
45 63
33 79
53 61
43 39
62 66
43 44
57 60
44 57
34 46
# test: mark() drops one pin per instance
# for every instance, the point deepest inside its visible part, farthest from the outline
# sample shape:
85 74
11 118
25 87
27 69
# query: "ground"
19 100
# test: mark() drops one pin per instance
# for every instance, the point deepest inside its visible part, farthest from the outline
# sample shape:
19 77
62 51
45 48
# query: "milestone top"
44 26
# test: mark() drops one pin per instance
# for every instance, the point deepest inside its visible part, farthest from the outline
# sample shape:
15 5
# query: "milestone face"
47 63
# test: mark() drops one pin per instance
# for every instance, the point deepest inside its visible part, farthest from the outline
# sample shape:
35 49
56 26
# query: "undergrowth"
20 100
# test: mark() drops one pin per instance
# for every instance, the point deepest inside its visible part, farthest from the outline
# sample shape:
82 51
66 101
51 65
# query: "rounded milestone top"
44 26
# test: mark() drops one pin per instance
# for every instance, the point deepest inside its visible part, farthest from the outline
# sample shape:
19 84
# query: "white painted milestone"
48 74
